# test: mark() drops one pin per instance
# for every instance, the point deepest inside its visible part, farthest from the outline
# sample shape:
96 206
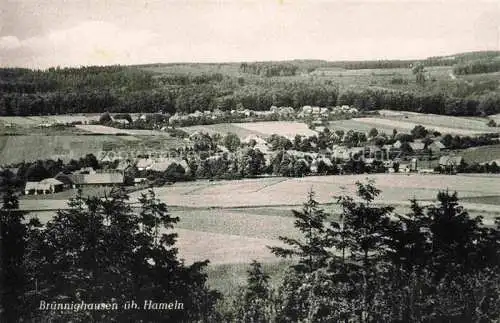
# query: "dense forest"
477 67
255 86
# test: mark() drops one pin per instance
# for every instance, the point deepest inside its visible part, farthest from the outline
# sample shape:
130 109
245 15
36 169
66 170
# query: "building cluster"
78 179
274 111
308 110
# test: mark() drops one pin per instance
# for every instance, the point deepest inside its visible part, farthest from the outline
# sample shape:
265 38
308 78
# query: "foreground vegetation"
434 264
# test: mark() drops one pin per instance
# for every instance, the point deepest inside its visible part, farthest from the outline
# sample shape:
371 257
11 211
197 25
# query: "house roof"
31 186
45 184
51 181
98 178
325 160
253 137
144 163
417 145
163 164
438 144
103 178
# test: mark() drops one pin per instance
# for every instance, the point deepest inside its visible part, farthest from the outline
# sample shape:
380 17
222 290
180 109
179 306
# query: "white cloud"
88 43
9 42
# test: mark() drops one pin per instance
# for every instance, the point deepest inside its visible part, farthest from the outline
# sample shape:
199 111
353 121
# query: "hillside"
450 85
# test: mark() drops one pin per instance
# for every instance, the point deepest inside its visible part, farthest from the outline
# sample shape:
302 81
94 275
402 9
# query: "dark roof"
103 178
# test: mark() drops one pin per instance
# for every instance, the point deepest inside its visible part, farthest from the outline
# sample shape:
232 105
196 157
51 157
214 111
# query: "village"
226 156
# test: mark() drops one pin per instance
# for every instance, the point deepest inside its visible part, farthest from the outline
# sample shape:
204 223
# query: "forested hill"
461 84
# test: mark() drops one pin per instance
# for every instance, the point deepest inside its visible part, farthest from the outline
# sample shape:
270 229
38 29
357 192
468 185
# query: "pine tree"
101 250
255 303
363 239
313 251
14 233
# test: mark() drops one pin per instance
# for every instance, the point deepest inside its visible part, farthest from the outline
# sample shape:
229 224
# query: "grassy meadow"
23 139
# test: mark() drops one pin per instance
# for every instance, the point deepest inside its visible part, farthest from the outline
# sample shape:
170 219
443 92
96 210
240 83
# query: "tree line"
477 67
127 89
269 69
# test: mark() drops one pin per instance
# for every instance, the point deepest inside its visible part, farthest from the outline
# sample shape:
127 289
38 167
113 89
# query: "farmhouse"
283 111
98 179
140 180
451 163
315 163
122 121
450 160
257 139
436 146
144 163
307 109
417 146
46 186
160 164
123 165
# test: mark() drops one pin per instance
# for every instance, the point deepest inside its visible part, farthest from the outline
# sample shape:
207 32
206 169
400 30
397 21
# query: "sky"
45 33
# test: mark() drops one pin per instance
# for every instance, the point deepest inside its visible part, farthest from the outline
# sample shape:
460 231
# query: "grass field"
267 192
29 142
254 213
440 121
356 125
283 128
262 129
37 120
229 278
223 128
238 235
481 154
30 148
404 122
99 129
407 125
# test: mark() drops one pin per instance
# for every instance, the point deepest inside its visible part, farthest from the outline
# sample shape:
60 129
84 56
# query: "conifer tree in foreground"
434 264
312 251
101 250
15 231
255 303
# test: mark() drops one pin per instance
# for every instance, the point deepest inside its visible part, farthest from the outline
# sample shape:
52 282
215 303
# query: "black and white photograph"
250 161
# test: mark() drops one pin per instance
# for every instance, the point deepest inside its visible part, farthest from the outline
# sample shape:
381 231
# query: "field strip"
223 248
410 125
238 223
